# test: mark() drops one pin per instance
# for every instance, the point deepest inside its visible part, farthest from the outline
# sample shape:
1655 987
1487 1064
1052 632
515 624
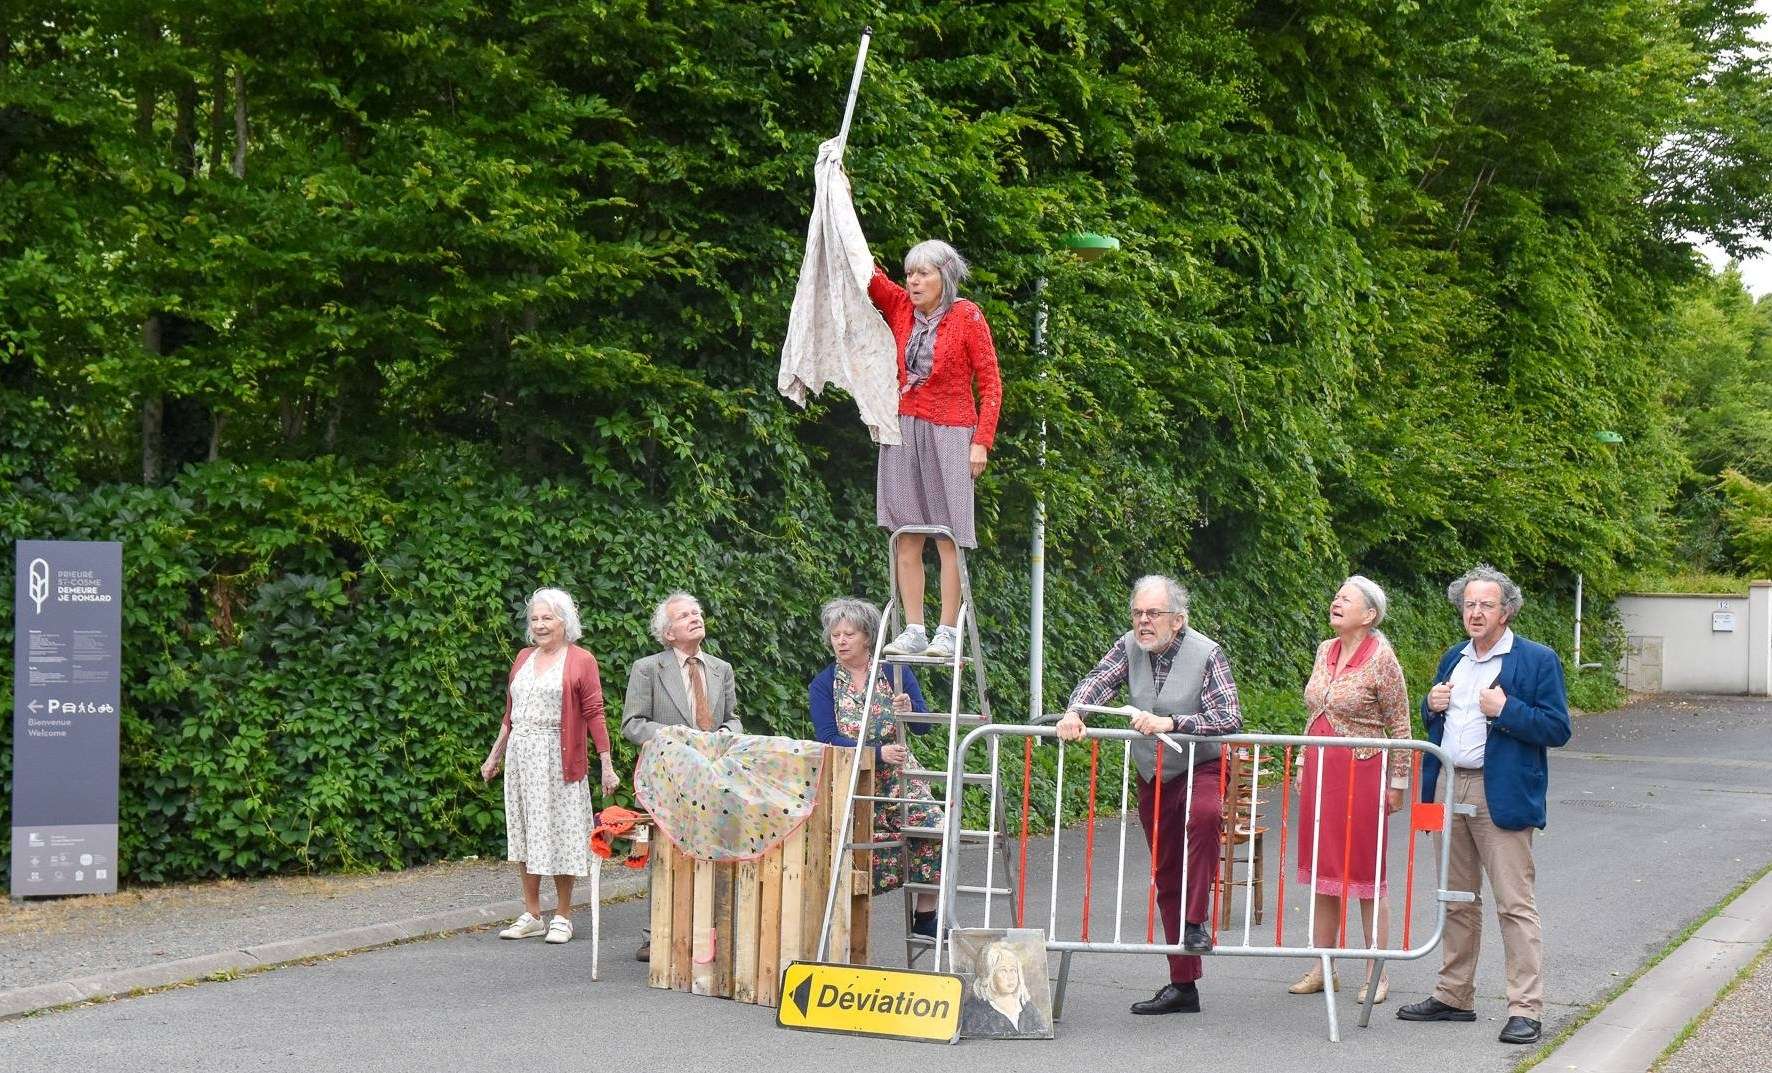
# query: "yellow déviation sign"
866 1001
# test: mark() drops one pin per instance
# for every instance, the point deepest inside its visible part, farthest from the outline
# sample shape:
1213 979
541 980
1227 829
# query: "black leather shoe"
645 951
1432 1009
1521 1030
923 924
1171 999
1195 939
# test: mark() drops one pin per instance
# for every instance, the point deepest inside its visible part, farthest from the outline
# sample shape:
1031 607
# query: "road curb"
1629 1034
23 1001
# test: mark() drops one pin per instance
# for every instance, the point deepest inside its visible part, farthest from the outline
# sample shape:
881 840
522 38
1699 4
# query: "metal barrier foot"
1329 998
1375 974
1064 977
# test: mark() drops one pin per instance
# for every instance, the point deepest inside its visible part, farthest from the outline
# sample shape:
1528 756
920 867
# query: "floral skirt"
920 859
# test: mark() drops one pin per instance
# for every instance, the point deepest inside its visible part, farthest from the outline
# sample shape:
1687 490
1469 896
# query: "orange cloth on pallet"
619 825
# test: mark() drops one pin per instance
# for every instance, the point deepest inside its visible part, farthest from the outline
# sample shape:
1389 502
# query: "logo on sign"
39 582
866 1001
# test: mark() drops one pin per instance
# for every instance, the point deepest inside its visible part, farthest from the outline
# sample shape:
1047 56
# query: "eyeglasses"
1481 605
1141 615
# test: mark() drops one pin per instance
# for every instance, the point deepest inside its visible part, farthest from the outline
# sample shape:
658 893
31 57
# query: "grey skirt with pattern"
928 479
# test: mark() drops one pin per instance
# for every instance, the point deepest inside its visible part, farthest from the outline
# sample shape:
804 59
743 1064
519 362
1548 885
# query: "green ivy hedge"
314 654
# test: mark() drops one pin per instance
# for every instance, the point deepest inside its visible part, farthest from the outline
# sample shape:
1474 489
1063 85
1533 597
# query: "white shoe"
559 930
524 927
946 638
911 642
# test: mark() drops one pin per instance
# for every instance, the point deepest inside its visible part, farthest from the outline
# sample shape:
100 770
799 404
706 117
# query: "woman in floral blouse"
1356 690
836 698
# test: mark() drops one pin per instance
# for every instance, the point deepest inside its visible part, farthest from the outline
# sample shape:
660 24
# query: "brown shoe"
1311 983
645 951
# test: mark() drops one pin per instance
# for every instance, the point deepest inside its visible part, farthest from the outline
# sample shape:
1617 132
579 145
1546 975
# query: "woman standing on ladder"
945 353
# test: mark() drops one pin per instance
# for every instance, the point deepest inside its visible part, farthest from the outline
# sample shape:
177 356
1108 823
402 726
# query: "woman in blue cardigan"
836 698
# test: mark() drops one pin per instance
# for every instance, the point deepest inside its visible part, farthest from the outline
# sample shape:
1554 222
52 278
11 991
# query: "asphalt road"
1657 812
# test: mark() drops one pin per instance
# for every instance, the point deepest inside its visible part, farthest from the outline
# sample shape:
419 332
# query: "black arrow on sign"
803 995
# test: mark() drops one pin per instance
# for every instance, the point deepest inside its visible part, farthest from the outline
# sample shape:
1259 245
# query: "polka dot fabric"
727 797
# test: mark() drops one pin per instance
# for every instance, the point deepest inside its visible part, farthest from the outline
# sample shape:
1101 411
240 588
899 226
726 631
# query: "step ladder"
967 651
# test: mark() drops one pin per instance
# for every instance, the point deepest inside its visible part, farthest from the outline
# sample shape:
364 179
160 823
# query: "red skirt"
1347 847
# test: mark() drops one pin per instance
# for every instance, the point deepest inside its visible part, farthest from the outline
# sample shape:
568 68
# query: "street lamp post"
1088 247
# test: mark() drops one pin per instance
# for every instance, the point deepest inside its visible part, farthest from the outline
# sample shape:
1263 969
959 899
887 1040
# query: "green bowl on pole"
1088 245
1606 435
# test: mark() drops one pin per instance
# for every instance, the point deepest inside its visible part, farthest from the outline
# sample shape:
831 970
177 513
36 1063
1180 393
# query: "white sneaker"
559 930
911 642
946 638
524 927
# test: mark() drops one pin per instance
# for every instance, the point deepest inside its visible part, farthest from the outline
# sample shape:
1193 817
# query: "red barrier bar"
1280 866
1027 793
1150 911
1347 846
1218 865
1409 882
1089 837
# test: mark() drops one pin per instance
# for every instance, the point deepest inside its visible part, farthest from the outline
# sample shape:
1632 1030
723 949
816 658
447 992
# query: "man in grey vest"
1180 682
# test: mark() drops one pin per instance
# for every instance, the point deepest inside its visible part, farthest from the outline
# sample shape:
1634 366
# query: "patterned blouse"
1368 701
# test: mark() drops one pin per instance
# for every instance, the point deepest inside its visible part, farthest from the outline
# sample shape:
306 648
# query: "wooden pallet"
729 929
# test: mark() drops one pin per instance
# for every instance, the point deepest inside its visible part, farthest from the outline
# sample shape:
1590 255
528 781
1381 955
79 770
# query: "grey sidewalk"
68 950
1741 1024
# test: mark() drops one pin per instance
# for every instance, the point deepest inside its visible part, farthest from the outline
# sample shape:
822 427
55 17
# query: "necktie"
698 695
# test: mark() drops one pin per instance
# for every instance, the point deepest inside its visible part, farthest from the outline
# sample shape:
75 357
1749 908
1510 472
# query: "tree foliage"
295 289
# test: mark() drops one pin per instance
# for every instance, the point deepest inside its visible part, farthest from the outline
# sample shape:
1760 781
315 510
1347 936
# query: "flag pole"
861 58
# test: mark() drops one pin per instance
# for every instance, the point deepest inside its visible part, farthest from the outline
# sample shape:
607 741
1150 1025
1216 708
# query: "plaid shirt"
1220 711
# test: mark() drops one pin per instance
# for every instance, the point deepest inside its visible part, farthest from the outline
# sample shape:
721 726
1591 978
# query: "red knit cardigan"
581 708
964 355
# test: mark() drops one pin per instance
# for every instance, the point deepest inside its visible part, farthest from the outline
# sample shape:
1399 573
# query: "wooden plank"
722 927
860 892
815 887
702 927
682 915
746 894
793 889
769 931
658 972
842 764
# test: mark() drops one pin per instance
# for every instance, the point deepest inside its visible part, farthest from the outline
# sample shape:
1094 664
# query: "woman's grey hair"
848 611
1174 592
1371 593
561 604
945 260
661 615
1511 597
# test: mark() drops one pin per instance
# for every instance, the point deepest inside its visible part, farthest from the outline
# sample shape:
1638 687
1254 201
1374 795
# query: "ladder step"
887 800
922 661
966 833
959 889
977 778
965 719
872 845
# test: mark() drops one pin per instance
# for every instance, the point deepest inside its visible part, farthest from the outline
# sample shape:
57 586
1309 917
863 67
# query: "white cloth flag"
835 335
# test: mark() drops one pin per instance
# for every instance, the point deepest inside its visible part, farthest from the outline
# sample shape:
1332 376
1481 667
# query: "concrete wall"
1682 644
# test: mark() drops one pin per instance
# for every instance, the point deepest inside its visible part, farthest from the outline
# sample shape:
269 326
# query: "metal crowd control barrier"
1419 817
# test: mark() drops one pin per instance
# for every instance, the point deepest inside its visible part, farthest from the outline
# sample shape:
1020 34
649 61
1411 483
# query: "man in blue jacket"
1497 704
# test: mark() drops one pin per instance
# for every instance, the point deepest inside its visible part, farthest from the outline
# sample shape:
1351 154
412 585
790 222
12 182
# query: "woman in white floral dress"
555 701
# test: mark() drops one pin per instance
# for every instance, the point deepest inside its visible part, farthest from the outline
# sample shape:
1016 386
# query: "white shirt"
1467 729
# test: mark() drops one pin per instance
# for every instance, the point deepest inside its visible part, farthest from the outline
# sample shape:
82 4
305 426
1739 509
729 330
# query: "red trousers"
1183 831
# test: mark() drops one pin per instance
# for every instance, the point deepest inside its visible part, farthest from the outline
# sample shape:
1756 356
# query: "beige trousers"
1479 847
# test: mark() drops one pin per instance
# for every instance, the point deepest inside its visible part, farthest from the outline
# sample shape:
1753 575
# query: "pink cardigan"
964 355
581 708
